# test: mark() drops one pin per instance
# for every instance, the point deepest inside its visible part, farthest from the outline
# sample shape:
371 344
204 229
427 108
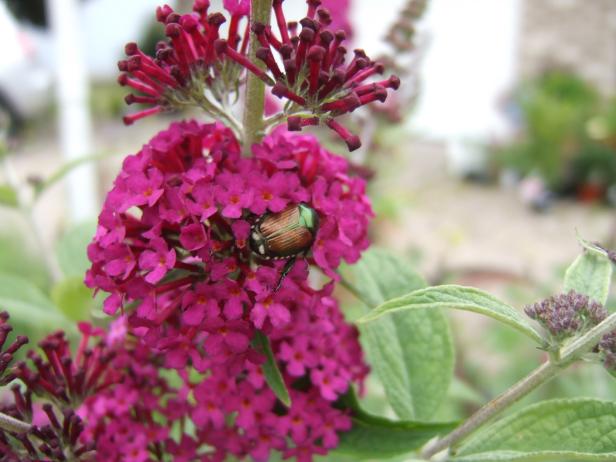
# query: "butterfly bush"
172 250
197 320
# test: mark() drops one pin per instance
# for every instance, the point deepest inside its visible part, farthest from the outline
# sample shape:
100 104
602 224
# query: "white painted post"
72 93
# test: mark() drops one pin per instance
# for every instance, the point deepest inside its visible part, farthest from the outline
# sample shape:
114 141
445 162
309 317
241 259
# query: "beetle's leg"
285 270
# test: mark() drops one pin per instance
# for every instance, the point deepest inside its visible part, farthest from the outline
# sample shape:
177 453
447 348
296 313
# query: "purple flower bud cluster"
402 59
61 377
607 347
53 431
57 440
566 315
402 32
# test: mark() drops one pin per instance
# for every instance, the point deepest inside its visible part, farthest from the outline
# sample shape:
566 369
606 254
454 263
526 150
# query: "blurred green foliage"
17 257
568 134
107 97
38 305
154 32
107 100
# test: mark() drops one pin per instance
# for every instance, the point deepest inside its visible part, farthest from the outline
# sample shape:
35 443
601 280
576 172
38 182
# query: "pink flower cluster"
172 250
233 413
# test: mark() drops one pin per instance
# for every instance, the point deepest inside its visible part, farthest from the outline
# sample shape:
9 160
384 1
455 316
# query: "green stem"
547 371
219 112
255 88
11 424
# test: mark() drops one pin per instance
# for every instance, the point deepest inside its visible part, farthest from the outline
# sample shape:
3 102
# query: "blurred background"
501 152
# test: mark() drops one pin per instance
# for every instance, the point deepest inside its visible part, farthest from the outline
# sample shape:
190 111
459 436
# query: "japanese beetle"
285 235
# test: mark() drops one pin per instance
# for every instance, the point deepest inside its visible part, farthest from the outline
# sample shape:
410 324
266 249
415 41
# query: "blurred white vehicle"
25 83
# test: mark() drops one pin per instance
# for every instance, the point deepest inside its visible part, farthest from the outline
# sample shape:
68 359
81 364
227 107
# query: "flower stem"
255 88
547 371
11 424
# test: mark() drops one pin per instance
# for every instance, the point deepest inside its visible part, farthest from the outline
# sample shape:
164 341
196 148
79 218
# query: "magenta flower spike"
171 250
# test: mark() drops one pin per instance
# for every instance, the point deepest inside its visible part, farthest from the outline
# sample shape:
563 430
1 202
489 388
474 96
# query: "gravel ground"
457 225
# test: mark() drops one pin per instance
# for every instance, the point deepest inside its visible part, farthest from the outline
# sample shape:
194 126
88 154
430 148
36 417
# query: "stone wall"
579 35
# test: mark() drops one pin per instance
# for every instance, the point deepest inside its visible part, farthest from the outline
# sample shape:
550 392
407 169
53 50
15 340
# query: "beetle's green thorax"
308 218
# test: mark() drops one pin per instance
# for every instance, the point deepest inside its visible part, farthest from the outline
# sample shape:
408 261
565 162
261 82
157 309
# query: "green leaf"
411 352
73 298
459 298
17 258
71 249
387 438
557 430
542 456
27 304
379 276
8 196
272 374
377 437
590 274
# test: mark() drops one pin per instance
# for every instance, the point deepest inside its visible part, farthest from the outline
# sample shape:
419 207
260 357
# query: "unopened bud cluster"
54 429
6 354
402 32
567 315
316 78
198 66
186 70
402 58
607 348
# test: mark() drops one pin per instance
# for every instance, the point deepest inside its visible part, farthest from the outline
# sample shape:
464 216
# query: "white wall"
469 64
467 68
108 26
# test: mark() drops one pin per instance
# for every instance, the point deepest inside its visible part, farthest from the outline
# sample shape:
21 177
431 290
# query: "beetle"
285 235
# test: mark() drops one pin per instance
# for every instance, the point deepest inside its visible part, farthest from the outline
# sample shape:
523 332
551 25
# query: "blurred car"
25 83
